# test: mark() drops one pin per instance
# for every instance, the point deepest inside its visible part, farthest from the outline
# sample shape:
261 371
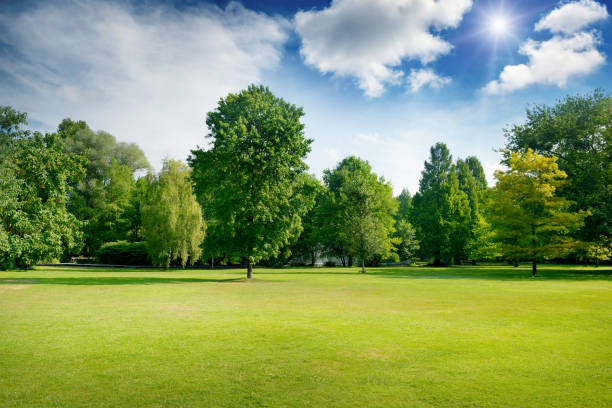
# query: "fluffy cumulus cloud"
570 52
572 17
147 74
368 39
426 77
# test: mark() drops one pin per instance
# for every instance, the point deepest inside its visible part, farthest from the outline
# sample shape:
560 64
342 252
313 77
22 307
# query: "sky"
380 79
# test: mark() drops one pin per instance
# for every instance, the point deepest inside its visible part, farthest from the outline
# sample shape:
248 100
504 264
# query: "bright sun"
499 25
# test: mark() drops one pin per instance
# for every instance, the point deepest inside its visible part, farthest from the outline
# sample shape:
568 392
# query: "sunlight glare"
499 25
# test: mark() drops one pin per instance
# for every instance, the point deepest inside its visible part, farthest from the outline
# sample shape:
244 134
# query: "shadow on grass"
115 280
459 272
508 274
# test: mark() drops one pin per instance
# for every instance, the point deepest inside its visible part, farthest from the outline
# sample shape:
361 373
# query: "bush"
124 253
330 263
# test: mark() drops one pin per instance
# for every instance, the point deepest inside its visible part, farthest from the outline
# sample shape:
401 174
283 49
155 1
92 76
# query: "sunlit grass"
430 337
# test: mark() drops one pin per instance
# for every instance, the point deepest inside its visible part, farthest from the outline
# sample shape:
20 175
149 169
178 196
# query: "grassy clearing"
444 337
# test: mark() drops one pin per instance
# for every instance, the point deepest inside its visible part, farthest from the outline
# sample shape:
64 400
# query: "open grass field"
326 337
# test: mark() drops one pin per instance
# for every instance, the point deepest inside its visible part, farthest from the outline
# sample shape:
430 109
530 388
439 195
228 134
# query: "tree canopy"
531 220
172 222
249 181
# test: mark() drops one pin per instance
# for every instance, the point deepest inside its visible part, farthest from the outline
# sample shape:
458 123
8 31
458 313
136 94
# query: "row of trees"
69 192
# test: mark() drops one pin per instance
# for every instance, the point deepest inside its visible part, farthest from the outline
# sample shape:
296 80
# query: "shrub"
330 263
123 253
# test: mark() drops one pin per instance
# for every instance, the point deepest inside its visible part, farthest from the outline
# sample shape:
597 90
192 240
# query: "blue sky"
379 79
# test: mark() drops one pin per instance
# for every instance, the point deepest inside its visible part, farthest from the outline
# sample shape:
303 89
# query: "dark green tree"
248 179
35 174
441 209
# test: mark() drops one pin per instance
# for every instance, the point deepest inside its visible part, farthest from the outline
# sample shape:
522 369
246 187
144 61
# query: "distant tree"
35 174
171 217
358 210
91 200
404 205
530 220
477 231
577 130
248 179
407 243
307 246
441 209
111 221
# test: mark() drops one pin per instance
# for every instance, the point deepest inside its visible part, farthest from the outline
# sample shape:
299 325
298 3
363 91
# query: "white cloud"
148 75
551 62
426 77
571 17
368 39
568 53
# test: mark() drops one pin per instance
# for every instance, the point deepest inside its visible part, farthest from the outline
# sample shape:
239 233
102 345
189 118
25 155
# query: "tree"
248 180
404 205
577 130
440 209
407 244
35 175
530 220
171 217
92 200
308 246
358 210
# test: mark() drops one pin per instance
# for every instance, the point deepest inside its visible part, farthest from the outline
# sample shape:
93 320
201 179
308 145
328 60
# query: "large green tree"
35 175
441 209
577 130
531 221
172 222
248 180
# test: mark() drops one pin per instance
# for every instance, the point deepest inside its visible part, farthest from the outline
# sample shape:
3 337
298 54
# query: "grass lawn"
325 337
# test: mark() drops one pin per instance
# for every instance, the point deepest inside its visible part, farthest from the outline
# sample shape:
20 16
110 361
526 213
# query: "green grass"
416 337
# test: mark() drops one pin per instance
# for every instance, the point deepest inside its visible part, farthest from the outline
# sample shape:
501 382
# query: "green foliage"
123 253
102 198
171 217
441 210
407 244
357 213
248 182
577 130
530 220
34 177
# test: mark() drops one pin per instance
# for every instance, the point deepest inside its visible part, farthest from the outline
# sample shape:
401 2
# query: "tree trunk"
437 257
350 260
313 258
363 265
212 262
515 262
343 260
249 268
533 268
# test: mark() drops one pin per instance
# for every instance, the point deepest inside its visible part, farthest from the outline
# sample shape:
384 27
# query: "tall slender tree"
440 209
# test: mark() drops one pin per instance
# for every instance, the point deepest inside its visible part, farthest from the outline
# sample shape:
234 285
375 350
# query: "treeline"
248 199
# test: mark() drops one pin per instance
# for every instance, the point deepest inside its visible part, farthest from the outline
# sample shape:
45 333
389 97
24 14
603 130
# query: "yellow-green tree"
171 217
530 220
